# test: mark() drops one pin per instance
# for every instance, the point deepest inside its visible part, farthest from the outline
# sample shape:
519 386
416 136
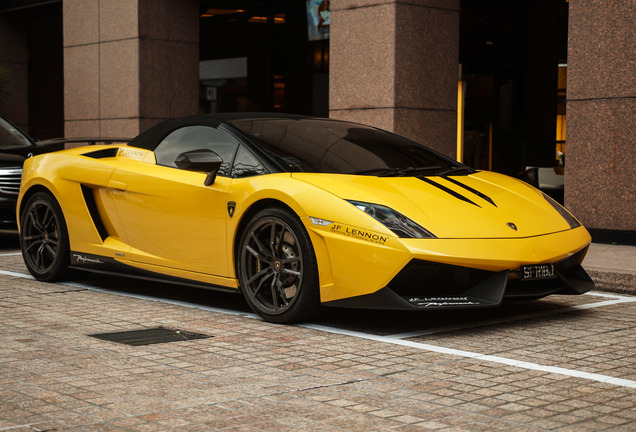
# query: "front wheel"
44 238
277 267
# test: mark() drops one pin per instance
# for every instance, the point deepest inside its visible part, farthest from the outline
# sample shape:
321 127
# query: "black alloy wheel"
277 267
44 238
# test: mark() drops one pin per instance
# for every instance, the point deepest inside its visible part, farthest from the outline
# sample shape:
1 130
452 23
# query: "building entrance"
31 52
513 58
263 56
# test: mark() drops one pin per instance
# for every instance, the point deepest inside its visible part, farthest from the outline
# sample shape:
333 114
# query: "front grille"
569 263
10 180
424 278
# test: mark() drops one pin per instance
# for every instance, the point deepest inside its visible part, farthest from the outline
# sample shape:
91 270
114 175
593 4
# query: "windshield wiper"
456 170
397 172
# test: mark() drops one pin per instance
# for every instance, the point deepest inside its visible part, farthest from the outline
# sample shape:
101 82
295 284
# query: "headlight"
402 226
571 220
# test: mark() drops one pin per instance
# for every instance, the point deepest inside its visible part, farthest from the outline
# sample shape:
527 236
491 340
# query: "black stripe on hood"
470 189
448 191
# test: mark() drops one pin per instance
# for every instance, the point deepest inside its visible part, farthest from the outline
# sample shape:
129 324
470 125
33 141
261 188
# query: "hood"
480 205
11 160
15 156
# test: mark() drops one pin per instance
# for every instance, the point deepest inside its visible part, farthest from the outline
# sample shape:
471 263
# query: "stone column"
601 114
128 64
14 58
393 64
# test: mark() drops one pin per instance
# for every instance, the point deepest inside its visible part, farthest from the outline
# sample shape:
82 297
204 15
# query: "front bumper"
430 285
430 273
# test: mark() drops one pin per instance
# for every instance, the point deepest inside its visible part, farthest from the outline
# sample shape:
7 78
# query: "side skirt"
107 265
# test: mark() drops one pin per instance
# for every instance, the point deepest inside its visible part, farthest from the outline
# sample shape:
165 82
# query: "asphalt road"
560 363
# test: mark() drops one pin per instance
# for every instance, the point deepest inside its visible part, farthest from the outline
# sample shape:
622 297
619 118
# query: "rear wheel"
44 238
277 267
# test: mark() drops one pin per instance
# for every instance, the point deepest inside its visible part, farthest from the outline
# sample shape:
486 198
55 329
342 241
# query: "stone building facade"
116 67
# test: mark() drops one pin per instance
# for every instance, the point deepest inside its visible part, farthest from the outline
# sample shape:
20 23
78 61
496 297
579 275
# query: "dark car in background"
15 147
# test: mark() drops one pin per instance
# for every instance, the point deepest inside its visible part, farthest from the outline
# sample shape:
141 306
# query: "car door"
169 217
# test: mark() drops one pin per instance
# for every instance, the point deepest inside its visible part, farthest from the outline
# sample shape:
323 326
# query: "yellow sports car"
295 212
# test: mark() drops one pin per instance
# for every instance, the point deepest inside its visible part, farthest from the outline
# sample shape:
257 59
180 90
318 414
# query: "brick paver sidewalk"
255 376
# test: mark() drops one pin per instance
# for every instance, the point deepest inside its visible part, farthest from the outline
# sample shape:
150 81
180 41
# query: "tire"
277 267
44 239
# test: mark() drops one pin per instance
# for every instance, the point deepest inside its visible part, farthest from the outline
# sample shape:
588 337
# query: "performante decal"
83 259
359 234
441 301
131 153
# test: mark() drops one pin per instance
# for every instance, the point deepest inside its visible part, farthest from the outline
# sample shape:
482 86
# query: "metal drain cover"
149 336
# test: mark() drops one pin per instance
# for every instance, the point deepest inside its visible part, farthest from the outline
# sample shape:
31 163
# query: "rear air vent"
102 154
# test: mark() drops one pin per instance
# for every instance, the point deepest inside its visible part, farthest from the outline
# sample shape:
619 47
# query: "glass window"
325 146
197 138
11 137
246 164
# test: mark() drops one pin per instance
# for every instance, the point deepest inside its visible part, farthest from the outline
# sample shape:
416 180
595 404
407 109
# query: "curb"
622 283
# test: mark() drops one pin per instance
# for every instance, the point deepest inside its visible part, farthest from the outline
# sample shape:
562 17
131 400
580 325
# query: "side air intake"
89 198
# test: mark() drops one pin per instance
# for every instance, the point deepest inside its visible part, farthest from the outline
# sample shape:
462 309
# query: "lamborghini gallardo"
297 213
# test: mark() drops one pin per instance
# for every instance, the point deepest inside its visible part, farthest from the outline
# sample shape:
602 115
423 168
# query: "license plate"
537 271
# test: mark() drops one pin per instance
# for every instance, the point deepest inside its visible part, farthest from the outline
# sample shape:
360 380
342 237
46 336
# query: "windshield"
11 137
328 146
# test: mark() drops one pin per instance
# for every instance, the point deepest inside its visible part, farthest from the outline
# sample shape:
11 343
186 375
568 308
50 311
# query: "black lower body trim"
430 285
107 265
487 293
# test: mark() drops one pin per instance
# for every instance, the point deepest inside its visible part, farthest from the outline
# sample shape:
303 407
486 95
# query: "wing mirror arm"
200 161
209 180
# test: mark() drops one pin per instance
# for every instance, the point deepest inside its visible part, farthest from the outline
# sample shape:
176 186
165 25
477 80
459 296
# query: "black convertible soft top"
150 138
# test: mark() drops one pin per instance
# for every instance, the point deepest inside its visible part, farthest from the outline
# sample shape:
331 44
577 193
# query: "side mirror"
201 161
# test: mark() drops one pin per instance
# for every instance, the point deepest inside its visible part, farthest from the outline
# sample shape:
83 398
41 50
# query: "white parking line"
616 296
16 274
29 426
399 339
478 356
10 254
